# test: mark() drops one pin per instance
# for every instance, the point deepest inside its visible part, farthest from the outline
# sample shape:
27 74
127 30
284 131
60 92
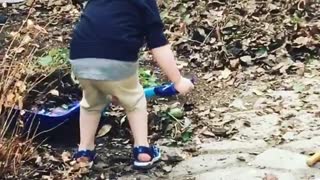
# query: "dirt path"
277 126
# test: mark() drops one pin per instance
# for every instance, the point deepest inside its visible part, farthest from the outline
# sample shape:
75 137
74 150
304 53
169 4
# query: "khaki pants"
129 92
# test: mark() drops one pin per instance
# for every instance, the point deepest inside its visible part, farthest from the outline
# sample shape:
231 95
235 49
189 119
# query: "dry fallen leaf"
208 76
10 99
104 130
246 59
225 73
29 2
18 50
54 92
234 63
26 40
123 119
302 40
208 133
45 177
65 156
102 176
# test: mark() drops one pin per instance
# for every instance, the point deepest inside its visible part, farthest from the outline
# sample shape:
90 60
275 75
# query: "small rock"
172 154
208 133
220 131
246 59
287 114
167 169
241 158
289 136
238 104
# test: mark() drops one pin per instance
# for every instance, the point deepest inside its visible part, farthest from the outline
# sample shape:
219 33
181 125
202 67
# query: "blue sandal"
90 155
152 151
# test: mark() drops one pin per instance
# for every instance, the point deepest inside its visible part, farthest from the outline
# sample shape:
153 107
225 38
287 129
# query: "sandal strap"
152 151
85 153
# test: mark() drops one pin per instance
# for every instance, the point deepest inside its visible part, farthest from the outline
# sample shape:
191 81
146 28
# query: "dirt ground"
254 112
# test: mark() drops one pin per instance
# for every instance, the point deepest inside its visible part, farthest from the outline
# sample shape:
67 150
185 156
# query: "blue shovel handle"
162 91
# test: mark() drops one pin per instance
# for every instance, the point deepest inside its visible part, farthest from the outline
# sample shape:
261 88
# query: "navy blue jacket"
117 29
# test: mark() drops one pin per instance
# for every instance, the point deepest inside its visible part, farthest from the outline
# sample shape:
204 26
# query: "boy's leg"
131 96
138 120
91 105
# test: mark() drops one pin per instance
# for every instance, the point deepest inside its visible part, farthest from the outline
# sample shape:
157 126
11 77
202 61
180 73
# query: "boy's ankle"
88 147
141 144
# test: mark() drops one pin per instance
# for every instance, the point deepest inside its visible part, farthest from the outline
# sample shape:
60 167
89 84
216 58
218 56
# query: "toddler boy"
103 54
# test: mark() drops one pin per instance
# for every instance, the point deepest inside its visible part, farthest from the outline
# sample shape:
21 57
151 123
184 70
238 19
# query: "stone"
290 98
281 159
261 126
204 163
243 173
172 154
232 146
303 145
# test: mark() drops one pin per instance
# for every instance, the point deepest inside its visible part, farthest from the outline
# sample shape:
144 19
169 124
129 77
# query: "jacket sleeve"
153 25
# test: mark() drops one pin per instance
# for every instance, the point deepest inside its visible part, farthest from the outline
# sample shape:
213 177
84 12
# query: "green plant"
179 129
296 20
147 79
55 57
186 135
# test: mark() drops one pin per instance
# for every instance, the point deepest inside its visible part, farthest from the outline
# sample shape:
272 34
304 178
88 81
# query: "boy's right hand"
183 86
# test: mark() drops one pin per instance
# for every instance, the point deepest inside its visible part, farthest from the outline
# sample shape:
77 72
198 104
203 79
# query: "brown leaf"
29 2
219 131
302 40
54 92
204 113
234 63
19 50
10 99
45 177
207 76
225 73
26 40
104 130
246 59
66 156
208 133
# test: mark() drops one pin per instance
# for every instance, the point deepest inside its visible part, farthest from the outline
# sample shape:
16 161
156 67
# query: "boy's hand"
184 85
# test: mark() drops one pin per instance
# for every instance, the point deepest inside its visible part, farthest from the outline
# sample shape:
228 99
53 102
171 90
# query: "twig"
205 39
174 118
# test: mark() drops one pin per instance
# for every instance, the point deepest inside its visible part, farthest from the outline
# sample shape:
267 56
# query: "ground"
254 112
277 123
266 127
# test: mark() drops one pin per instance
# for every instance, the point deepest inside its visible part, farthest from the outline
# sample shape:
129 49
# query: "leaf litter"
225 43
